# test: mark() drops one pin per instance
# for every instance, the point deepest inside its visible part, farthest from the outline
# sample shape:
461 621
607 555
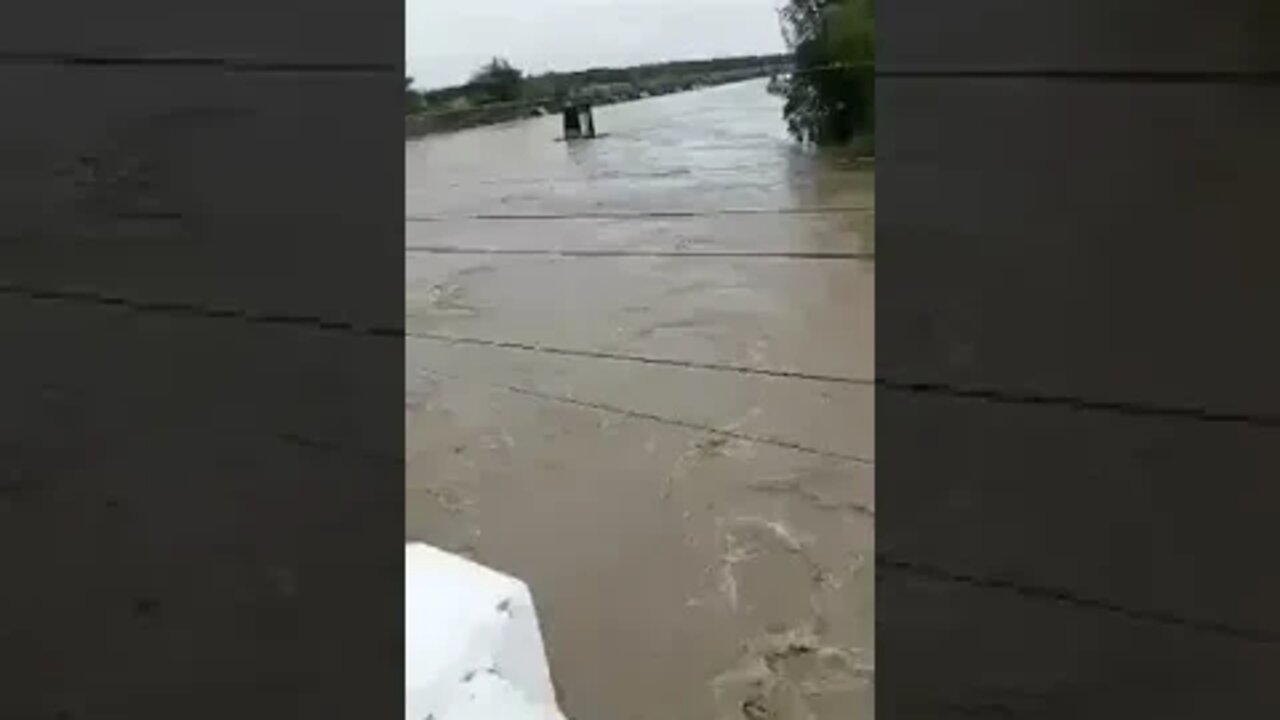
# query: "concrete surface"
473 649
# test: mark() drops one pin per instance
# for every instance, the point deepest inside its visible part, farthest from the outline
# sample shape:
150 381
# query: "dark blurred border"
1078 417
201 297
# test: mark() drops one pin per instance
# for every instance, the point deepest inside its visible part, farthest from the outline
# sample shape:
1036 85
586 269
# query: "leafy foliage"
498 81
831 95
413 100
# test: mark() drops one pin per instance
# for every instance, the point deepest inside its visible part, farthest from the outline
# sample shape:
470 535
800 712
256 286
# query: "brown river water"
637 380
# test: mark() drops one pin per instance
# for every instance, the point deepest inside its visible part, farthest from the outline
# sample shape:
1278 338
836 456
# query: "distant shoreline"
453 109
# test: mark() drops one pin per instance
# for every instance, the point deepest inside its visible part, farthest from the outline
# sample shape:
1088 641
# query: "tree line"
499 82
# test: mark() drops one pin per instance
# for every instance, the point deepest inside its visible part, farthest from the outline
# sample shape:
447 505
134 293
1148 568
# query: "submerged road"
638 379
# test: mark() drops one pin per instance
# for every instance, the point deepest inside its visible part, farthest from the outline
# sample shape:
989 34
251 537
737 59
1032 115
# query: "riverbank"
440 120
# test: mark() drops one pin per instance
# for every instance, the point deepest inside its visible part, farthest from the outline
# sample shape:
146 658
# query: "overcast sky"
446 39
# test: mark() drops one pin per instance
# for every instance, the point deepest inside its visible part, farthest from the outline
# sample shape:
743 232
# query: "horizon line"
416 86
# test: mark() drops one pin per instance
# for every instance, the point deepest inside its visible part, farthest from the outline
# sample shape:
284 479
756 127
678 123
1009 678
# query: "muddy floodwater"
638 379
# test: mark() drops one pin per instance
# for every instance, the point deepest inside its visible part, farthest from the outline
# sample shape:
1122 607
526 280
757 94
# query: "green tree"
831 95
498 81
413 100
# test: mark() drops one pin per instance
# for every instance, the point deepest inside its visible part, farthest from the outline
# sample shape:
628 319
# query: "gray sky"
446 39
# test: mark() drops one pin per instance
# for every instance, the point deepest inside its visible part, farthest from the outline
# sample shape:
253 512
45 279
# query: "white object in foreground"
473 650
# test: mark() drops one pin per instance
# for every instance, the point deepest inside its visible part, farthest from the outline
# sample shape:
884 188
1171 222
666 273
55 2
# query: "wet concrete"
675 452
